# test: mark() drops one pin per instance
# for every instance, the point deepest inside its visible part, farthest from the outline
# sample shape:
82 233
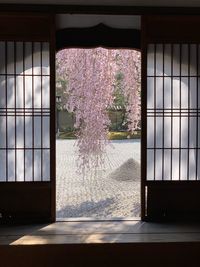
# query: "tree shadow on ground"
86 209
102 209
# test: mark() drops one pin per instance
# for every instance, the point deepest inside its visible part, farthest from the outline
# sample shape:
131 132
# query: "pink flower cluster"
90 92
130 66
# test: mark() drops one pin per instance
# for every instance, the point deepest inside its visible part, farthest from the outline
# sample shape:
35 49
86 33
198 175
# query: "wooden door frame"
96 36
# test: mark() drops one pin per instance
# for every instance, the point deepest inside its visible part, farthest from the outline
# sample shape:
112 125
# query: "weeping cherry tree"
90 76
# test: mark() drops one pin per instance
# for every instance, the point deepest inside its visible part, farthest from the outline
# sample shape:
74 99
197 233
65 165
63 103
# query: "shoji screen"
27 118
24 111
170 117
173 135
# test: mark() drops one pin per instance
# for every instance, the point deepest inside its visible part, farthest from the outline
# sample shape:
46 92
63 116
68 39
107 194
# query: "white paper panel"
159 60
198 165
2 92
11 165
46 132
176 93
193 93
198 127
184 60
37 92
25 91
167 132
150 164
2 61
167 60
167 164
192 164
184 93
150 132
37 132
11 131
150 60
20 132
184 132
19 92
198 93
184 164
198 60
19 58
37 59
159 92
10 58
2 165
45 59
167 92
175 164
159 163
192 132
10 92
45 92
2 132
159 132
28 58
28 92
193 59
28 132
176 60
37 165
175 133
150 92
46 165
28 165
20 165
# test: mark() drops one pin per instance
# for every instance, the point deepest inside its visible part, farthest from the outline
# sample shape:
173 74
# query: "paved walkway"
113 193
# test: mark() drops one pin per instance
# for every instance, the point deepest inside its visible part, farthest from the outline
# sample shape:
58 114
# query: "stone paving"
113 193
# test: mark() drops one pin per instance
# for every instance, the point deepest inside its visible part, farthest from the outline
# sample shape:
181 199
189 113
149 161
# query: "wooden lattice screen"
27 118
170 117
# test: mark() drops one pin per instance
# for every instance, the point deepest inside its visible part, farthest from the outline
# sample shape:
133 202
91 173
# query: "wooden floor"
99 232
119 243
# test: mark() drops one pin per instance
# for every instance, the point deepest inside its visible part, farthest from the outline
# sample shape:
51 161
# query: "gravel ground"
114 192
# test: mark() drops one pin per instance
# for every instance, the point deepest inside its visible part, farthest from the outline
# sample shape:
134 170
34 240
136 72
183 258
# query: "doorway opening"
98 134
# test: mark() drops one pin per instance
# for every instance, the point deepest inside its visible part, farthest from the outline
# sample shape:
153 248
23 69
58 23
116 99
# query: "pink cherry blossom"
90 93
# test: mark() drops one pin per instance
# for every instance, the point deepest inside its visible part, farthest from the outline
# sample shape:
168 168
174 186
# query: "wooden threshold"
99 232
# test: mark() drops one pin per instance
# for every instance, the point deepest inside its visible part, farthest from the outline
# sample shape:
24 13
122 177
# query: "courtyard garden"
98 134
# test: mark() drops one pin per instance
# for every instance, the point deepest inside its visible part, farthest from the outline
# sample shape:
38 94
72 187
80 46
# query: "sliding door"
27 118
171 102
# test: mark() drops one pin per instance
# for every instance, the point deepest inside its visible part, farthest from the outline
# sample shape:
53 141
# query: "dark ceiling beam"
100 35
106 10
